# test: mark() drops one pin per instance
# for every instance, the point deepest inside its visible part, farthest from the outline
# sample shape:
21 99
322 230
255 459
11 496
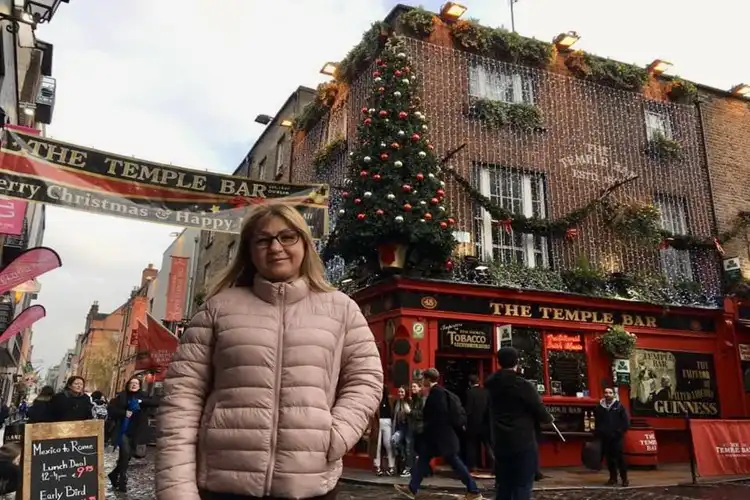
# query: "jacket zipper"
277 395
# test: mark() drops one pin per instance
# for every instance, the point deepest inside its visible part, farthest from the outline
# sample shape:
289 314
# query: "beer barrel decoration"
639 446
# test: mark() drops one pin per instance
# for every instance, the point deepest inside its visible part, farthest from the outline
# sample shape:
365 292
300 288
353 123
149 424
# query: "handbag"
591 455
140 451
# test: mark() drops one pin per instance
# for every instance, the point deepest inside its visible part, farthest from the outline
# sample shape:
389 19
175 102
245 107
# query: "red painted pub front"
686 361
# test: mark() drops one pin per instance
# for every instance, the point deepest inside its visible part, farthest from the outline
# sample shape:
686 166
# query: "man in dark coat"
611 423
476 423
440 438
516 412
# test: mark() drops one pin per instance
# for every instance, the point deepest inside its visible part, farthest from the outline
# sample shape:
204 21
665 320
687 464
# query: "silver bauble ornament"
398 164
401 133
422 220
441 208
401 55
422 202
383 145
405 81
422 154
442 183
371 110
367 194
422 117
351 153
424 127
391 196
377 79
431 175
342 211
397 94
367 159
399 218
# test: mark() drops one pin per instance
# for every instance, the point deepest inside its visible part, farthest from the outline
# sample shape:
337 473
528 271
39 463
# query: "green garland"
532 225
313 112
682 91
663 148
606 71
418 22
498 114
498 43
362 54
325 156
618 342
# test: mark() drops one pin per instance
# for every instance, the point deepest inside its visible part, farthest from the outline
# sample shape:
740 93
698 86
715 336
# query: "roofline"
299 90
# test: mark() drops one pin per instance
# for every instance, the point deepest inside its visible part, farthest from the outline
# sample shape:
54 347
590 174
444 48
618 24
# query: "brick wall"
593 136
727 128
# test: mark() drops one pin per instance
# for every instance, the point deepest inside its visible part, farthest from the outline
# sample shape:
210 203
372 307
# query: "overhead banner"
12 215
176 288
44 170
28 317
30 264
722 447
156 346
673 384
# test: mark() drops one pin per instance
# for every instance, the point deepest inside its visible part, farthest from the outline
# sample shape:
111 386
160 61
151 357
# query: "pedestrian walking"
385 436
516 410
415 439
99 410
476 432
41 409
611 422
72 403
11 476
277 375
401 412
443 417
128 410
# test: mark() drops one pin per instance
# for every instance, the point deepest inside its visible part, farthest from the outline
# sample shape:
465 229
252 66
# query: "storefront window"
566 362
528 341
746 375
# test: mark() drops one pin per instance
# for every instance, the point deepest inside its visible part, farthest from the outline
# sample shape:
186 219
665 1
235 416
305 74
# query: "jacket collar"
271 292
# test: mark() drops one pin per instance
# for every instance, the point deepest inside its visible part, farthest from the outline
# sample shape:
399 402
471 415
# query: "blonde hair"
241 271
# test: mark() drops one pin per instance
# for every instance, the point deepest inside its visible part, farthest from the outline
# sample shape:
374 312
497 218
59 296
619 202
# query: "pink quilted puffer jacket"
267 391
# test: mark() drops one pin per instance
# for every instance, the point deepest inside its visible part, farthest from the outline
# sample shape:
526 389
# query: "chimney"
94 309
148 274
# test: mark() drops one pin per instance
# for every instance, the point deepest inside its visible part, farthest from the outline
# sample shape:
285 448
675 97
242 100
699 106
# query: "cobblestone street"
142 488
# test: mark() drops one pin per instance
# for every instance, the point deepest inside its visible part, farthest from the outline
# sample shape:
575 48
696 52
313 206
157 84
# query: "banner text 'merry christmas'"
66 155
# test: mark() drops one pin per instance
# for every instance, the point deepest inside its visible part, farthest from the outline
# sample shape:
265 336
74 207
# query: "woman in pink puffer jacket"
274 380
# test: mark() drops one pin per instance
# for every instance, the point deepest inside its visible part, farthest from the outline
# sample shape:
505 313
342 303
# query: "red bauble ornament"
440 192
407 207
403 115
395 145
345 194
443 225
375 74
415 137
381 89
383 156
368 121
379 62
376 177
406 69
428 216
383 113
449 265
430 147
357 201
360 216
397 72
420 176
365 111
363 173
379 212
434 201
451 220
406 188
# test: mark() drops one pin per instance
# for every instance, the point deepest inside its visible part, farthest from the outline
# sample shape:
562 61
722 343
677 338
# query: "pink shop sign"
12 213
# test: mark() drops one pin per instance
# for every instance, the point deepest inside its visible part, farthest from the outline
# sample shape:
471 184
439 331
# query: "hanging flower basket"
618 342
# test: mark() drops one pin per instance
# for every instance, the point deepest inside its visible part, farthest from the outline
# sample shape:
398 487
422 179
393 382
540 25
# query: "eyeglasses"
285 239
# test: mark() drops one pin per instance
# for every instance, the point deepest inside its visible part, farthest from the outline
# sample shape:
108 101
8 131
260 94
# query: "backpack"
456 412
99 411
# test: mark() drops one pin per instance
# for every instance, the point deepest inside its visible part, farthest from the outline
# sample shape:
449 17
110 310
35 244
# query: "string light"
593 136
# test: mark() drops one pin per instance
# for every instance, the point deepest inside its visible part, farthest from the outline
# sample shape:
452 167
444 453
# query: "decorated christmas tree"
393 213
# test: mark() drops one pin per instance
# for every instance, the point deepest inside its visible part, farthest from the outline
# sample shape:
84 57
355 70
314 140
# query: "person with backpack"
443 415
99 410
516 412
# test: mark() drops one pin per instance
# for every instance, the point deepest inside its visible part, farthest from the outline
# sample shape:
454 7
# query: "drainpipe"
702 123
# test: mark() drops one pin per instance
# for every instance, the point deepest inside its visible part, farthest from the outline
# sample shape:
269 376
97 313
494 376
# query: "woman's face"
134 385
415 388
77 386
401 393
277 250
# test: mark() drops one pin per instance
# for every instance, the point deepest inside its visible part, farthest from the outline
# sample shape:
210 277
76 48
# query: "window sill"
569 400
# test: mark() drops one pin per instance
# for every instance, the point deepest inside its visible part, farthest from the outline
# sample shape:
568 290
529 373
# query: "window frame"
487 244
262 169
279 158
666 126
480 84
677 265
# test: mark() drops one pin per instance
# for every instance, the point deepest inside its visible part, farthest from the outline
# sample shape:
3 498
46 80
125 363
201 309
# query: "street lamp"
329 69
451 11
741 90
41 11
564 41
659 67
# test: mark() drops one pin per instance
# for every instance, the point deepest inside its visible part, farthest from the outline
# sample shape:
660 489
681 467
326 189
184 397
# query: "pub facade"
597 164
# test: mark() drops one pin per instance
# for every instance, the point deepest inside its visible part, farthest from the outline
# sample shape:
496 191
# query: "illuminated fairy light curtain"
591 136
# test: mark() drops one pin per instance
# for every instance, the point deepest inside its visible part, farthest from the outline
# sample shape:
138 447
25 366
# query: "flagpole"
512 16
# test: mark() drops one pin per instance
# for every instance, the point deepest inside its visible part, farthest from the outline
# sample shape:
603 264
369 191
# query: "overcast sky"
180 81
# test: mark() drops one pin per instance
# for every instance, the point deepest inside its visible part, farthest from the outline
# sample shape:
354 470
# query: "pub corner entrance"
455 372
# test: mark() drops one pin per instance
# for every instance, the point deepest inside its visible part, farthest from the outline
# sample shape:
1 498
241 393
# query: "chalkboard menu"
64 461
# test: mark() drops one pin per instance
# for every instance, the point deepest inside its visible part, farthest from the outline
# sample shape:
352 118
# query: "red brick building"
545 134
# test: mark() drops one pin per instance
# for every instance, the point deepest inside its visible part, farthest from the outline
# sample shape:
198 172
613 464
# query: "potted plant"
618 342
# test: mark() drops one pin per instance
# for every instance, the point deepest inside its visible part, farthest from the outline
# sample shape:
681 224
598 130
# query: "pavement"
363 485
